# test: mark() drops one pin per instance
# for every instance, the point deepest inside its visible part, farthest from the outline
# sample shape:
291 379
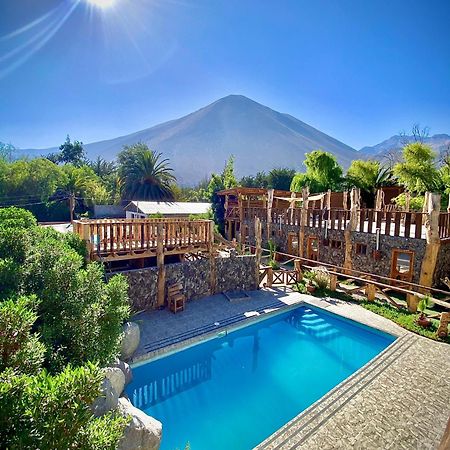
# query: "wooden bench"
175 297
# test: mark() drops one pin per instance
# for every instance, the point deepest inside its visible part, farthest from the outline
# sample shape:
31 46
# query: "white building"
141 210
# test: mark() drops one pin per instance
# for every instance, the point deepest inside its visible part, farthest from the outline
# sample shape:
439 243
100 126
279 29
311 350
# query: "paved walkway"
163 329
399 400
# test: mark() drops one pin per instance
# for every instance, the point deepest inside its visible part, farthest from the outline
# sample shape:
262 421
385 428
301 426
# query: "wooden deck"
119 239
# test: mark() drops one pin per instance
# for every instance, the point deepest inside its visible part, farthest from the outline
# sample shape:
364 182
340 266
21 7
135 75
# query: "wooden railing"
110 239
444 225
390 223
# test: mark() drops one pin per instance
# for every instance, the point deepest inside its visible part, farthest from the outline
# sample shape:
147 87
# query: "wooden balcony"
119 239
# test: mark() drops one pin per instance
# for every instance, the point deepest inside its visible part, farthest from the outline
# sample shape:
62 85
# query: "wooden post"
345 200
258 252
370 292
269 213
269 277
333 282
351 226
379 200
83 230
71 206
241 218
298 269
212 260
160 233
303 220
412 301
442 331
328 200
433 206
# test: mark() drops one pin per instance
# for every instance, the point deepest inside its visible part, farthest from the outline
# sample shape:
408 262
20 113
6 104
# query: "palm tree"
145 175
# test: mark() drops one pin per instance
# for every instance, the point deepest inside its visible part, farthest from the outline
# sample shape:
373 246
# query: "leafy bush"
20 349
78 310
415 203
80 315
16 218
52 412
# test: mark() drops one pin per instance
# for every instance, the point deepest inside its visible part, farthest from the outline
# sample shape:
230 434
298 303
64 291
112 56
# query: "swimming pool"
233 391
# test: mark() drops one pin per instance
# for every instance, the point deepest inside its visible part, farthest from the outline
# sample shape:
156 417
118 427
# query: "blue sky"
358 70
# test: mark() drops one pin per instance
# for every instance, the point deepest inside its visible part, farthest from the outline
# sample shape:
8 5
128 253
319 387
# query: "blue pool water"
233 391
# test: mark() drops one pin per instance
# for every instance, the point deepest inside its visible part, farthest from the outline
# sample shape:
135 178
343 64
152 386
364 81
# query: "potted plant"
424 303
310 281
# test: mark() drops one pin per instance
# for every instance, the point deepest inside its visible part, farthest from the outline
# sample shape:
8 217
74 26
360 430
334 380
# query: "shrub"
321 278
78 310
9 278
20 349
52 412
16 218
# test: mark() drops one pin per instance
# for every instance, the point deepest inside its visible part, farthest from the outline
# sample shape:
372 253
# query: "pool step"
296 432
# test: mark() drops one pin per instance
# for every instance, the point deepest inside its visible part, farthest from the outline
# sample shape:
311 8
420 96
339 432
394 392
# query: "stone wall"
232 273
442 264
364 263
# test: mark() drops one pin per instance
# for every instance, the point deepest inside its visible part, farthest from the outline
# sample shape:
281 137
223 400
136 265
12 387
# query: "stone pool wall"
237 272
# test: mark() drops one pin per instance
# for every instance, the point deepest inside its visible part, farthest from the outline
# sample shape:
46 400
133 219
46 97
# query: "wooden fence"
388 222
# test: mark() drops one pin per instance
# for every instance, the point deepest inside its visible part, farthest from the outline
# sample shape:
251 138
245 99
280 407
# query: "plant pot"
376 255
310 288
423 321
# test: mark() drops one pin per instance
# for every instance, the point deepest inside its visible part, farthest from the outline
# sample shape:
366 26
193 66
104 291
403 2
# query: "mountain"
439 142
200 143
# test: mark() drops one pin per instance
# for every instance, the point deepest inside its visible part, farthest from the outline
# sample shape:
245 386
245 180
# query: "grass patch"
403 318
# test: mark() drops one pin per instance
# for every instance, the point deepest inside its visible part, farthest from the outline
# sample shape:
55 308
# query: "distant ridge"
439 143
199 143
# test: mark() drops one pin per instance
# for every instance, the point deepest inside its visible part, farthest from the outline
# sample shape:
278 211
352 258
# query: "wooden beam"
351 226
258 252
269 212
212 260
160 264
432 205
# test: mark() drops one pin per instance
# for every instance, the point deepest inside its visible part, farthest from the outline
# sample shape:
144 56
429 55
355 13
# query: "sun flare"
103 4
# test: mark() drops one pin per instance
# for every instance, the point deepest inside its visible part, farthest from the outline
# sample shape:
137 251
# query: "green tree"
145 175
260 180
72 153
219 182
280 178
322 173
417 171
369 175
48 412
7 151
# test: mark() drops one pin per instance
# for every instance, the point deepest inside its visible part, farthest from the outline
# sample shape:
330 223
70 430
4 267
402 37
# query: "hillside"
199 143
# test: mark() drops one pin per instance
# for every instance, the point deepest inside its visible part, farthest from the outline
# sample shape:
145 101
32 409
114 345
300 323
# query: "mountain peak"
259 137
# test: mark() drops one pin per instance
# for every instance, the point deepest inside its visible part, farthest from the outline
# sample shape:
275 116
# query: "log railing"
110 239
390 223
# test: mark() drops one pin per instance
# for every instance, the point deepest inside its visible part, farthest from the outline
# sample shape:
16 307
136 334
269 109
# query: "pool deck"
399 400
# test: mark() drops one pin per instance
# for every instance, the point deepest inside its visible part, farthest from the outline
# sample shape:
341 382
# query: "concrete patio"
399 400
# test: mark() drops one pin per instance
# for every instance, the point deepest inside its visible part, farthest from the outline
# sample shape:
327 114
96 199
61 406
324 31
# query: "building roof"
168 208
